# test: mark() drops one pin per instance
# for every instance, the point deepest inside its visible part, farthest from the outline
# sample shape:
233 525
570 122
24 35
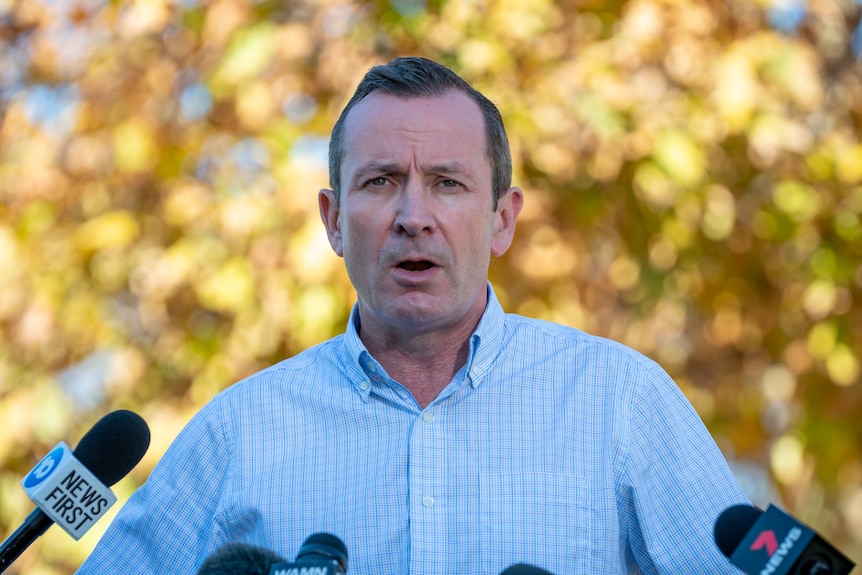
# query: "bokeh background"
693 180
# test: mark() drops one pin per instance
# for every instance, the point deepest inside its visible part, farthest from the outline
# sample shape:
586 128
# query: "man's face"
415 222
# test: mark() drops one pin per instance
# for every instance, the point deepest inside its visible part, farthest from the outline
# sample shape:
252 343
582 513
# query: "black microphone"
73 486
772 542
239 559
320 554
524 569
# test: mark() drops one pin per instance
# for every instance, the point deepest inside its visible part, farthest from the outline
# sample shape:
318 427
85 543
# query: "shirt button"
428 417
428 501
364 385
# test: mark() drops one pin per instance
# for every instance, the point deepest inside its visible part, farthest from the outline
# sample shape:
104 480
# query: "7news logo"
778 544
768 541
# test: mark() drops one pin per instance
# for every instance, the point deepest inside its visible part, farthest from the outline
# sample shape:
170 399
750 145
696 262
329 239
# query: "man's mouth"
416 266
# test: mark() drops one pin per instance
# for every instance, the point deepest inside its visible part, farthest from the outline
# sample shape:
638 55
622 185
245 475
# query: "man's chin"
417 310
428 314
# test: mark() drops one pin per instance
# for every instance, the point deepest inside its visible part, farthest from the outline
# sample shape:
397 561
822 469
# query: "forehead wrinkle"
433 166
403 127
377 166
448 167
444 168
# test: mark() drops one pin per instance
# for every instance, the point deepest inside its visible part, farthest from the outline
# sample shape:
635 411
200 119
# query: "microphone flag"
777 542
67 492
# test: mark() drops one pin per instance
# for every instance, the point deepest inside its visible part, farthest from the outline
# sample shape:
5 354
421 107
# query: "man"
437 434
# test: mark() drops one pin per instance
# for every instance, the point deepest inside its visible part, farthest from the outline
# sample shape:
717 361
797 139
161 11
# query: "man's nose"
414 213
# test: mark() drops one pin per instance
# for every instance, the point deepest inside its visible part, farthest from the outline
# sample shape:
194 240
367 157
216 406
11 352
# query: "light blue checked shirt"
551 447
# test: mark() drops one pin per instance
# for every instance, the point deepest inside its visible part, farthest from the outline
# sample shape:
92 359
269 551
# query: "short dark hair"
414 77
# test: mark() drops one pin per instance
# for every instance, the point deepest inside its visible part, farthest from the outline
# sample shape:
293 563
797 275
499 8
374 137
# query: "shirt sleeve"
168 525
675 482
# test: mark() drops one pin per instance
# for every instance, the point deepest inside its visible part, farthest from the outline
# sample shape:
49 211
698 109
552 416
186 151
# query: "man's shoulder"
516 322
558 338
315 363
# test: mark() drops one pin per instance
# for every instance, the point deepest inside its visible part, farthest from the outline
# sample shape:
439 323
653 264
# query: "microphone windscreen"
239 559
732 525
114 445
524 569
325 545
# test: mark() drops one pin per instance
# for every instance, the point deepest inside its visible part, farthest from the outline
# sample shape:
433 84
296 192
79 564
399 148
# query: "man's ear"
508 207
329 214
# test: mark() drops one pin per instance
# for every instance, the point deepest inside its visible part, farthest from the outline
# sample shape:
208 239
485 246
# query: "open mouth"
418 266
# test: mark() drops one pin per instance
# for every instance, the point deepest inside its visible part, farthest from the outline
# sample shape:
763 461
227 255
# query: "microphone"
239 559
524 569
320 554
772 542
71 488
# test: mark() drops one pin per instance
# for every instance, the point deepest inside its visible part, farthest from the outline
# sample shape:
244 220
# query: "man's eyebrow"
374 167
453 167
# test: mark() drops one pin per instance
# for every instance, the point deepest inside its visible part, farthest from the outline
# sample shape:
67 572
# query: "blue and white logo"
67 492
44 468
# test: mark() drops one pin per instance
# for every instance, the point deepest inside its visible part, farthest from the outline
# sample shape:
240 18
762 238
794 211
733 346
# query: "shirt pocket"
538 518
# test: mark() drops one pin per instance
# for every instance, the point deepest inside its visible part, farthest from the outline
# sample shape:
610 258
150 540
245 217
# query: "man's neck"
422 363
424 371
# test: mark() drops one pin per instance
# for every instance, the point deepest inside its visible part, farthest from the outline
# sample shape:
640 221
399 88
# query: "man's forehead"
435 131
371 167
380 105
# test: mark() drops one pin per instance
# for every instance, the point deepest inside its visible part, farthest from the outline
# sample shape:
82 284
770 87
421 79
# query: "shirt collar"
485 345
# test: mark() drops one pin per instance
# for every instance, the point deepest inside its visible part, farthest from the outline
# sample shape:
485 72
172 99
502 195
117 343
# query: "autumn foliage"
693 180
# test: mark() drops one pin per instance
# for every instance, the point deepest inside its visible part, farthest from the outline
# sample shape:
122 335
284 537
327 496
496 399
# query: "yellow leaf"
720 215
822 339
797 200
842 366
736 88
135 149
848 166
681 158
228 289
787 459
115 229
249 54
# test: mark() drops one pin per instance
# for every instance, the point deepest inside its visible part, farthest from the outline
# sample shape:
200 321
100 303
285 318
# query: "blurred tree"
693 171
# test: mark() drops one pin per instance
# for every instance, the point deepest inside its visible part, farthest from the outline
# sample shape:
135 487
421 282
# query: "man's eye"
377 181
450 183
